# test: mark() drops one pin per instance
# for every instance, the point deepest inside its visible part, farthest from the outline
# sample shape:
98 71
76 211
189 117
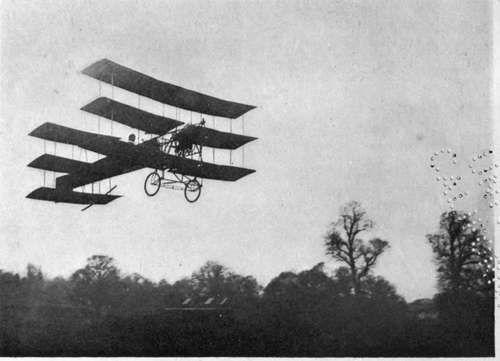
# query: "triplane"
175 152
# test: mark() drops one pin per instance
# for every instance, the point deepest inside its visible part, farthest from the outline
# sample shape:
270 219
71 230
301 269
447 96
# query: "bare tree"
359 256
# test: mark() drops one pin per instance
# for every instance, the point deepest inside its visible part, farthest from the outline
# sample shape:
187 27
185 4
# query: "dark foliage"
100 312
466 275
298 314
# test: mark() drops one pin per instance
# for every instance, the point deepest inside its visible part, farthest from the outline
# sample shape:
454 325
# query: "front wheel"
192 190
152 184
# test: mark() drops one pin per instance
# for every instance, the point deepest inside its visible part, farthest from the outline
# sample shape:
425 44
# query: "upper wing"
131 80
133 117
214 138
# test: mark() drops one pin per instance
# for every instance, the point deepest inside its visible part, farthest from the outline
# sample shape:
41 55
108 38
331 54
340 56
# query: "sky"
353 97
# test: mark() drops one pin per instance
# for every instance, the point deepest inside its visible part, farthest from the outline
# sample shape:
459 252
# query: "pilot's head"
131 138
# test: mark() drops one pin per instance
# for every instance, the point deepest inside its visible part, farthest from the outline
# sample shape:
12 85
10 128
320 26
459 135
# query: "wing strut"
231 151
213 149
243 133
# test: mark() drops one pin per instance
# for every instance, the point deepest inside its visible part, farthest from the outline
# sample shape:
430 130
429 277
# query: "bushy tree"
466 299
465 262
301 290
139 295
97 286
217 281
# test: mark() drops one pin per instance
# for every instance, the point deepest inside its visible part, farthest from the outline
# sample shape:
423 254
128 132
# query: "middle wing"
207 170
112 166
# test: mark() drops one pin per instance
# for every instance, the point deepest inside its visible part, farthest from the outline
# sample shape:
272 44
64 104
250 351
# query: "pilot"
131 138
184 145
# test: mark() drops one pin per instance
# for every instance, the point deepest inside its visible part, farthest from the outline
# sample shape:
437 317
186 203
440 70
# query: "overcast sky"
353 98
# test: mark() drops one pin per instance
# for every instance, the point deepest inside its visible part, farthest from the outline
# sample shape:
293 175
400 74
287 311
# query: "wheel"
152 184
192 190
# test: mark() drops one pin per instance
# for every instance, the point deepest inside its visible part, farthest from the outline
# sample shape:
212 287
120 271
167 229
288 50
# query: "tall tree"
343 243
462 254
465 267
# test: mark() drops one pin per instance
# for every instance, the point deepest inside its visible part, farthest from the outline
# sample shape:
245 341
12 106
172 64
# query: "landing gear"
192 190
190 186
152 184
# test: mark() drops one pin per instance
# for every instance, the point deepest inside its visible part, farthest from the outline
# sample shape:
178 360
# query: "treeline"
216 312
